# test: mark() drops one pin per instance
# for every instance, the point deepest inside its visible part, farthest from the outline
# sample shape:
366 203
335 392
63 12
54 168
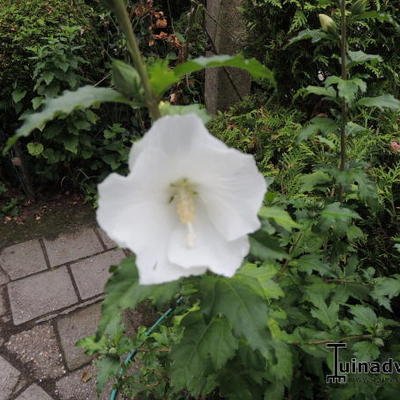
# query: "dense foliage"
323 267
272 24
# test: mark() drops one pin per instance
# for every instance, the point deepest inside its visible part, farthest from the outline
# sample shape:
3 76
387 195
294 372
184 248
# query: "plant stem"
344 339
343 51
133 47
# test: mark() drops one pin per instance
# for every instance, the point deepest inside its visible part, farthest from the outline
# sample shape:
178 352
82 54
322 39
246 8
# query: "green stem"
133 47
343 51
343 339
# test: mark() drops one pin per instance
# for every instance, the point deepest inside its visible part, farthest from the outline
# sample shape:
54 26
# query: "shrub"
272 23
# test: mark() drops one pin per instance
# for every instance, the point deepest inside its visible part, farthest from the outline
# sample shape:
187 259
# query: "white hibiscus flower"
187 204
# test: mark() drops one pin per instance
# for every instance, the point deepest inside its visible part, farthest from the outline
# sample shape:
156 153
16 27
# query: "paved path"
50 293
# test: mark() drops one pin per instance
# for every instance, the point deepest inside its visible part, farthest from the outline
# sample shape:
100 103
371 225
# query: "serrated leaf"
161 77
191 357
327 315
310 181
381 102
364 316
358 57
280 217
385 289
123 291
68 102
266 248
316 125
321 91
198 109
314 34
107 368
260 279
254 67
347 88
243 307
335 215
282 369
311 262
366 351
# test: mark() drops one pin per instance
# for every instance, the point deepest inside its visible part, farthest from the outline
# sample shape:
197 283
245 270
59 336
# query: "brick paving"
50 294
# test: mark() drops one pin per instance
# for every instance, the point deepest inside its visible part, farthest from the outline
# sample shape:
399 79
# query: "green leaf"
71 143
311 262
245 309
316 125
366 351
327 315
274 391
347 88
385 289
335 214
260 279
91 345
310 181
198 109
107 368
364 316
126 80
314 34
321 91
68 102
266 248
282 369
35 149
201 344
254 67
161 77
280 217
18 95
220 344
381 102
123 291
359 57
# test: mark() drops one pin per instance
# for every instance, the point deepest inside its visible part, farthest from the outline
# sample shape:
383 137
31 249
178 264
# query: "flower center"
184 198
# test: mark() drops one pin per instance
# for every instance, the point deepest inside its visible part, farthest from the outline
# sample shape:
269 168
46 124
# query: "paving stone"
81 385
3 304
34 392
91 274
110 244
72 246
23 259
9 377
3 278
39 350
40 294
75 326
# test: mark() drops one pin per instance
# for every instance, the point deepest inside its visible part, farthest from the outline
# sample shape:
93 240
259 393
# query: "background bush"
272 23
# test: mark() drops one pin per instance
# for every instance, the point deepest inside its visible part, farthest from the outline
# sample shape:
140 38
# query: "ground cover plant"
322 261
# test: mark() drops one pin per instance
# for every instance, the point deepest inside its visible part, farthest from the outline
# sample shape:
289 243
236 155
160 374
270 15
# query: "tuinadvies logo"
342 368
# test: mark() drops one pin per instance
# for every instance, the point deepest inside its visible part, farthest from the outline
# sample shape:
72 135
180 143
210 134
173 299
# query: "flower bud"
395 146
327 23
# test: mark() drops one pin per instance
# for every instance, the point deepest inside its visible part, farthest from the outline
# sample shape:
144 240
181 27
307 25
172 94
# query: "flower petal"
175 135
210 248
234 195
155 268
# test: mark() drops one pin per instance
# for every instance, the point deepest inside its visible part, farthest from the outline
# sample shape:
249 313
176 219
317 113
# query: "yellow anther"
184 197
